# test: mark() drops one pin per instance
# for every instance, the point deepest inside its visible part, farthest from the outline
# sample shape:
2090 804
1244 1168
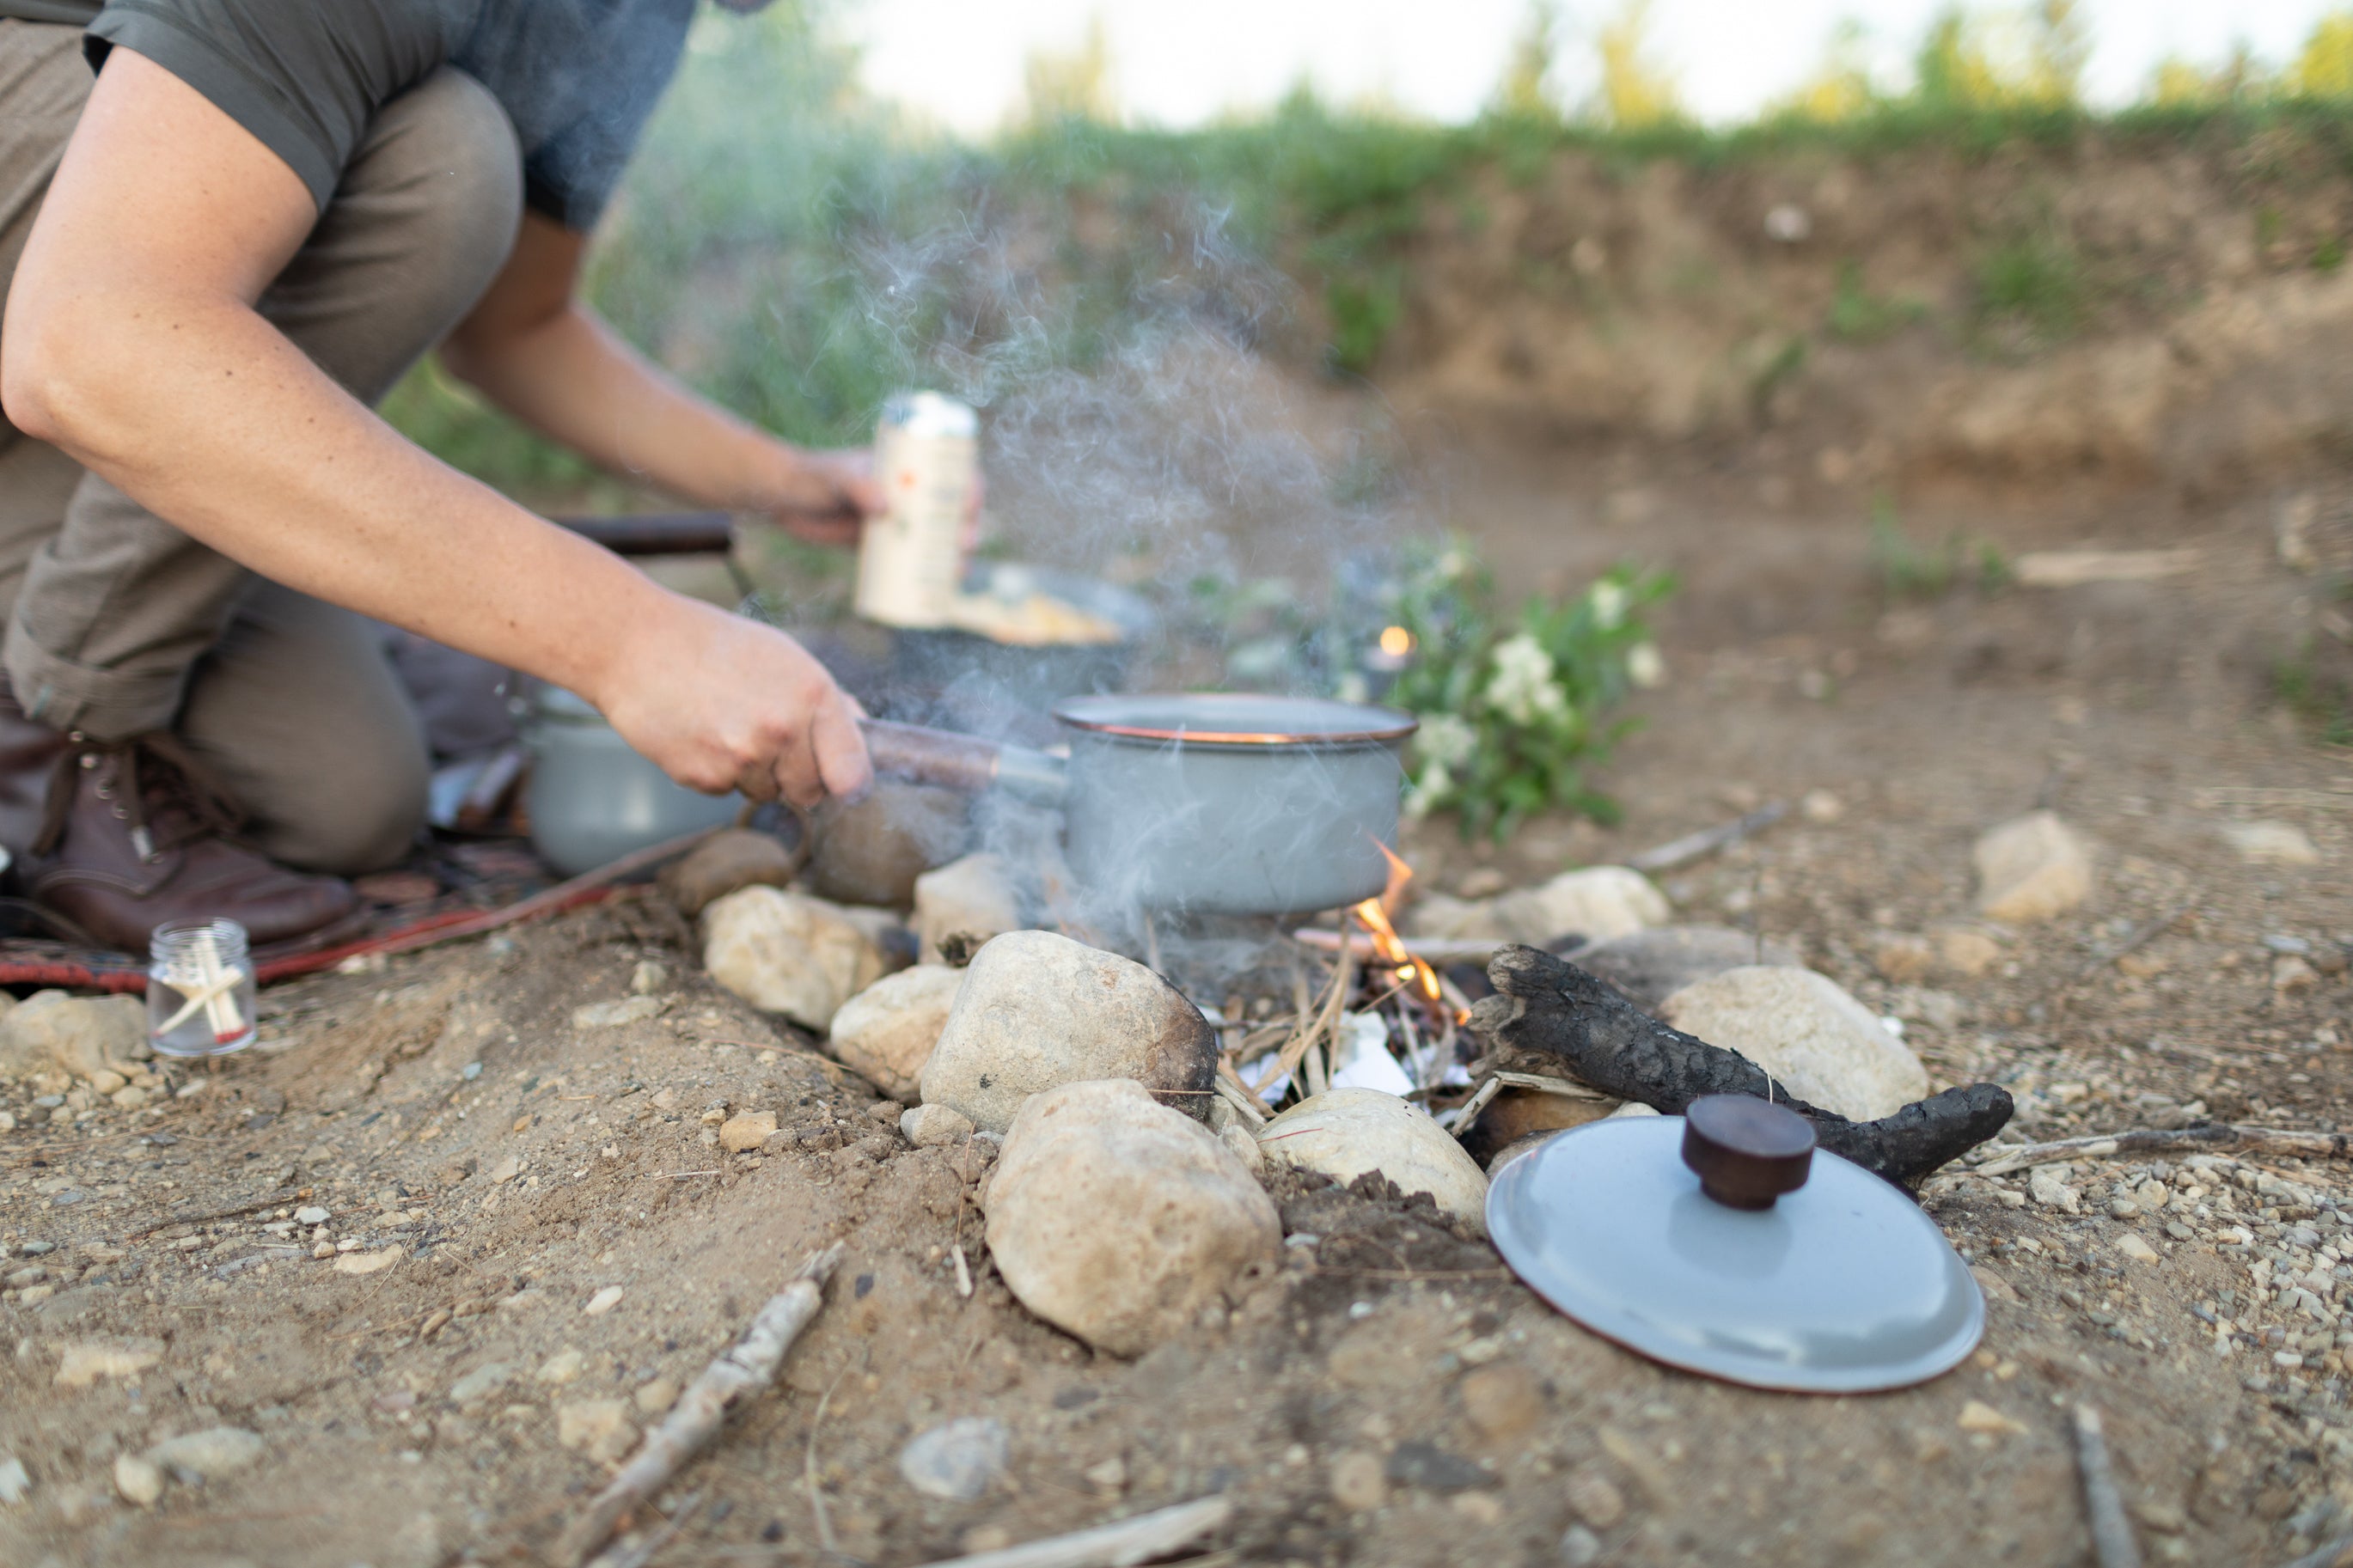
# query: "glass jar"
200 990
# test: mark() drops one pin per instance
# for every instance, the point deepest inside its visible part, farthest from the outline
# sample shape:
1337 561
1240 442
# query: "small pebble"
603 1301
1579 1547
958 1460
311 1214
2134 1247
140 1481
1357 1484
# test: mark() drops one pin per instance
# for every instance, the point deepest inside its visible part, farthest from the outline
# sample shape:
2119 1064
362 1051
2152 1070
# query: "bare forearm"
273 465
574 380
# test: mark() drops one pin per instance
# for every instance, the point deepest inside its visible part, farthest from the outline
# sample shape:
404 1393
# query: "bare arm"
131 342
537 351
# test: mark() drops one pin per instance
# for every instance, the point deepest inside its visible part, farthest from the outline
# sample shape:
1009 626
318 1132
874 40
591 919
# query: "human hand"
721 703
826 497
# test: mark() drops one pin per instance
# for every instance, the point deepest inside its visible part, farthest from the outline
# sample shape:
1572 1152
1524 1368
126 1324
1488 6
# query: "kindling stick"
2112 1537
2204 1137
1118 1545
748 1366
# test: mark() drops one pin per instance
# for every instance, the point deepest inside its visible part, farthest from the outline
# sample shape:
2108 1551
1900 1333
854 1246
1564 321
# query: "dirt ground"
507 1166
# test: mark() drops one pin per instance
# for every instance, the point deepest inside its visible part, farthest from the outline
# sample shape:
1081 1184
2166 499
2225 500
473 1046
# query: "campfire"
1368 1013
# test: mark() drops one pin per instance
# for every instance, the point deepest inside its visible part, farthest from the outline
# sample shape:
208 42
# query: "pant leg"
299 711
115 606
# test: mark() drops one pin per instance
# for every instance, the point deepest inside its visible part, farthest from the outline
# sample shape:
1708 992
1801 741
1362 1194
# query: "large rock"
886 1032
1599 903
1038 1010
1649 966
729 859
975 897
52 1031
1823 1046
1345 1133
785 953
870 851
1119 1220
2031 868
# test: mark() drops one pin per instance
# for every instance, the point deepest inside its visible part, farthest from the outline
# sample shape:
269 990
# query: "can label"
910 559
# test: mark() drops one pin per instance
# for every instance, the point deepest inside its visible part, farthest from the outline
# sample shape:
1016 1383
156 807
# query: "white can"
927 461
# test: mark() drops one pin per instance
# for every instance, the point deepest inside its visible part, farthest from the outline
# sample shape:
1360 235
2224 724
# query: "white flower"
1452 564
1446 740
1609 600
1523 687
1428 793
1645 666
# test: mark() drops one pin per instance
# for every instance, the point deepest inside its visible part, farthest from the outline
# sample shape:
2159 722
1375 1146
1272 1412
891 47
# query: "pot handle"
963 762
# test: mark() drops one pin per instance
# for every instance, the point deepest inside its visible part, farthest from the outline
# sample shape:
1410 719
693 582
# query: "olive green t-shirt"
577 78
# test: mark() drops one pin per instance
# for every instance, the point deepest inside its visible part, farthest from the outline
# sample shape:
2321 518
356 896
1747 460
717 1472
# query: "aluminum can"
910 560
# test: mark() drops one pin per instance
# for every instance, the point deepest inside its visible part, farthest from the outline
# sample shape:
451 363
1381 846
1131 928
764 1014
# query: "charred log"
1546 1005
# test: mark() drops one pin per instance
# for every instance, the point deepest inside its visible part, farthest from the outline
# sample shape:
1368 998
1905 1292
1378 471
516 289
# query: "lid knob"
1747 1151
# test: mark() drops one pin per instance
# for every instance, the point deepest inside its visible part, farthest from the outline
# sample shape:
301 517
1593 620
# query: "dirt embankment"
2124 310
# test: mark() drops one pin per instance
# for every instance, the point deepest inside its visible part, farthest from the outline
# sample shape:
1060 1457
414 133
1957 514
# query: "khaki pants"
117 623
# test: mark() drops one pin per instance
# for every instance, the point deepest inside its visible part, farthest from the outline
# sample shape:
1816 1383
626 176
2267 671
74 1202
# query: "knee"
458 155
363 814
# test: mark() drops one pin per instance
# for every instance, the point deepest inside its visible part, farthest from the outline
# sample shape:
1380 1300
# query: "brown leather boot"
131 835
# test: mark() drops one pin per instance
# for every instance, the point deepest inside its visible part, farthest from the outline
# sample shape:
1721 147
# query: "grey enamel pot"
1203 803
592 799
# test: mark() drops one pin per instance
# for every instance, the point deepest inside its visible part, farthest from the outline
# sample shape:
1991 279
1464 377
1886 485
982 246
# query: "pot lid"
1722 1242
1215 717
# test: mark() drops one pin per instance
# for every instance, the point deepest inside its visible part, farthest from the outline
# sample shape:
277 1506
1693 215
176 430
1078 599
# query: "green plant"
1859 316
1908 569
1514 709
2322 700
2035 280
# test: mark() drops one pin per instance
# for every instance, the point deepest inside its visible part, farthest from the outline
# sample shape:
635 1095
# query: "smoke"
1144 435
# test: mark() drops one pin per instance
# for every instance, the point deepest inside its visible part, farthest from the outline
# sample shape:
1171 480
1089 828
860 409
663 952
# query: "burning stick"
1545 1004
746 1368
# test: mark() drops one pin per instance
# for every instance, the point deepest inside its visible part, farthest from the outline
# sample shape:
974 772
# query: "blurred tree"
1841 87
1952 69
1058 86
1526 90
1633 90
2057 48
2324 68
2240 79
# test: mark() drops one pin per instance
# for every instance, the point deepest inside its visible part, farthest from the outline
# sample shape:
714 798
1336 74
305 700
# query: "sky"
1178 62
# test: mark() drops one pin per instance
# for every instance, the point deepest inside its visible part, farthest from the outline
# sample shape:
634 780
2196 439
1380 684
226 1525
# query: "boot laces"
163 792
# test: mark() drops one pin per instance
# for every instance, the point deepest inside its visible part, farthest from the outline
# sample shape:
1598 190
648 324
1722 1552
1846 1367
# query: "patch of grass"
2321 701
1908 569
1859 316
2328 255
2034 280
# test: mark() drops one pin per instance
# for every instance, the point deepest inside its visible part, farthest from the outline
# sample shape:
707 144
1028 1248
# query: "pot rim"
1104 716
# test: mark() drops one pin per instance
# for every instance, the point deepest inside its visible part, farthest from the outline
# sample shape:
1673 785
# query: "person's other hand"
721 703
827 496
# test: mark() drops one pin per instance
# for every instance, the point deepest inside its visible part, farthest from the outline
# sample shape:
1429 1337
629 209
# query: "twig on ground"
747 1367
1120 1545
205 1216
1468 1116
637 1553
1545 1004
2112 1538
554 900
2206 1137
2138 937
1315 1024
1693 847
824 1535
963 1271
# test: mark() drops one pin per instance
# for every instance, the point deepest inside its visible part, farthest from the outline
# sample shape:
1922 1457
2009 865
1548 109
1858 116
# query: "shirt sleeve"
304 76
579 79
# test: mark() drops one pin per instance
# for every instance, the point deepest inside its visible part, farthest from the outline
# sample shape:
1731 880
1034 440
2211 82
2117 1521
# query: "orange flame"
1373 914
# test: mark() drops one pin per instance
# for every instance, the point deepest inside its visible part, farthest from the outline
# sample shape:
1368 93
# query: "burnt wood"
1549 1007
